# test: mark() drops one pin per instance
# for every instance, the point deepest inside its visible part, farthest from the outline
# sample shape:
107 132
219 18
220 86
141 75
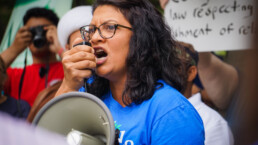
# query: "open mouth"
99 53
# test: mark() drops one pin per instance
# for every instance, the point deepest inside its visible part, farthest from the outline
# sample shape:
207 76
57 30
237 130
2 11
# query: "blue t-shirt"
165 119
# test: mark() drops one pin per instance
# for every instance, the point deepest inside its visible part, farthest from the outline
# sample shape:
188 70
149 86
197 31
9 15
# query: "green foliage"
90 2
6 7
157 5
82 2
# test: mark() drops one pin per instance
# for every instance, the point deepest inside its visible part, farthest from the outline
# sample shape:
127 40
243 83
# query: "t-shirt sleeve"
218 134
181 125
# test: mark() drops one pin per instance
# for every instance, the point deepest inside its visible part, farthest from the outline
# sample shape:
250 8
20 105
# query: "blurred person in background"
217 131
40 35
242 114
68 28
218 78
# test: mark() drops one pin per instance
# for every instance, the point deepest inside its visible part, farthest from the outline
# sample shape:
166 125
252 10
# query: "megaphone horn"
80 116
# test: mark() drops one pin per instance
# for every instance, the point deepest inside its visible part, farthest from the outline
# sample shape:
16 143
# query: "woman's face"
111 65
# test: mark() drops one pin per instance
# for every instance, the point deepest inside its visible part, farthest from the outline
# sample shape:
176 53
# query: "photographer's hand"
20 43
78 64
52 39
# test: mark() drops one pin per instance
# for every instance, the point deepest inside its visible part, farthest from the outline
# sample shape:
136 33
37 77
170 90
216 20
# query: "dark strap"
47 69
22 76
20 84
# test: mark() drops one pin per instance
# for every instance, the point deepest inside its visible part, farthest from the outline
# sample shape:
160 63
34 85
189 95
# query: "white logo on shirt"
120 139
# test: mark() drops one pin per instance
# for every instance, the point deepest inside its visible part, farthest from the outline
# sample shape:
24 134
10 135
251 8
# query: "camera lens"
38 36
39 41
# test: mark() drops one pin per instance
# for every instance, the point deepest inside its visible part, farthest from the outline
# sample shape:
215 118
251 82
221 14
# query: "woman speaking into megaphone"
137 74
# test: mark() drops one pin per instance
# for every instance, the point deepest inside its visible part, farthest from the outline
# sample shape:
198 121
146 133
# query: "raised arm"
219 79
20 43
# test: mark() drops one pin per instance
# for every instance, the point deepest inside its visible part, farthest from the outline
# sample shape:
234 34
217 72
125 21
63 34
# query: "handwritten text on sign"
212 25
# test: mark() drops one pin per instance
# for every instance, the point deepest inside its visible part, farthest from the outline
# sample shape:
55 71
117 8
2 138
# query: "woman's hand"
78 64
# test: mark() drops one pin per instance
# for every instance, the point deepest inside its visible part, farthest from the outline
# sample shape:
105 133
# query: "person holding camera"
39 33
67 32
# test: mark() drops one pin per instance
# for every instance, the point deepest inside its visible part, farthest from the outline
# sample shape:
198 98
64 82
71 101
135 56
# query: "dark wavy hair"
152 54
40 13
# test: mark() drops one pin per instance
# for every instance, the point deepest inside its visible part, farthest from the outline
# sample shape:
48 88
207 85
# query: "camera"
38 36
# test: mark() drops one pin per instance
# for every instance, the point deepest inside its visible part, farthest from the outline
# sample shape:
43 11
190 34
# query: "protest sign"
212 25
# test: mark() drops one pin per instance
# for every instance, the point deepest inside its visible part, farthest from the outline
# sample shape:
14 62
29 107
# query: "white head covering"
72 21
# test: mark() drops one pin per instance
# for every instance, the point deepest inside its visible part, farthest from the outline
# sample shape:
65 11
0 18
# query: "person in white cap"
68 28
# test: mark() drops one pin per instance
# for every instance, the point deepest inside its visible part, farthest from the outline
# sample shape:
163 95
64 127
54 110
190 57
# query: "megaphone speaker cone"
78 113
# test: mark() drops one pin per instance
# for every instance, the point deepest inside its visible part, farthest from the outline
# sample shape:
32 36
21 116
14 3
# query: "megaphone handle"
117 132
85 85
85 80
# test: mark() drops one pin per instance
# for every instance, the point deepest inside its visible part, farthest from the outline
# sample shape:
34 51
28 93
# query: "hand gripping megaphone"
80 116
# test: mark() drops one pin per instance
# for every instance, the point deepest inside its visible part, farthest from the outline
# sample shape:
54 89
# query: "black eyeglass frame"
99 31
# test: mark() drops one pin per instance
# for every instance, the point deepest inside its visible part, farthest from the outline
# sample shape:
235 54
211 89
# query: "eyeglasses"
106 30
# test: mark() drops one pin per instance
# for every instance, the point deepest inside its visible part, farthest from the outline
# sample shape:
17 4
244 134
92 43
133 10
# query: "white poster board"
212 25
